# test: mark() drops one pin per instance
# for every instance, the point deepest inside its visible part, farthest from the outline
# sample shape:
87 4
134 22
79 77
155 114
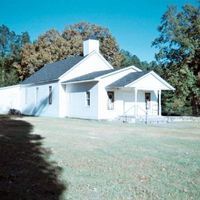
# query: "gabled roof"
53 71
90 76
127 79
87 57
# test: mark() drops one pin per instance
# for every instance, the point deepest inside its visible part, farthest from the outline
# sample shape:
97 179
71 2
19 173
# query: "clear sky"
132 22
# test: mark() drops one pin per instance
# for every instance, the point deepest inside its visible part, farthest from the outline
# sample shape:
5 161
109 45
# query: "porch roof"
127 79
142 80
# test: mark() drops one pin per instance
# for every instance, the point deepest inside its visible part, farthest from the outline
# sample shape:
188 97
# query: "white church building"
86 87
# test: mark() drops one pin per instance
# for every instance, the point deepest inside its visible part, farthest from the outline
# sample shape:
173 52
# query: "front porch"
139 105
135 102
141 102
140 94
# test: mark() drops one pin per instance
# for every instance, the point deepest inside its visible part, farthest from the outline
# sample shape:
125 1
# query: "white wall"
153 109
9 98
40 106
149 82
124 98
124 104
91 64
104 113
63 103
76 100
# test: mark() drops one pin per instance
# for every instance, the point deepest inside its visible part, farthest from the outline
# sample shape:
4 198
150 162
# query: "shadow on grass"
24 172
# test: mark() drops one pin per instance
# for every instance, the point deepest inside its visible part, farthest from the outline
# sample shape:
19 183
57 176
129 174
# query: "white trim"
83 60
100 77
156 76
135 102
39 83
104 60
8 87
162 80
72 82
159 101
135 68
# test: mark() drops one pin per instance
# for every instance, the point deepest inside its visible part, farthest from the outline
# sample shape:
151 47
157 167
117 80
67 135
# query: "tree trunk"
196 106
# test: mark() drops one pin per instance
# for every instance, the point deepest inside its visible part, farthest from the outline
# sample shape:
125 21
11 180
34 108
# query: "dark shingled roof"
127 79
53 71
90 76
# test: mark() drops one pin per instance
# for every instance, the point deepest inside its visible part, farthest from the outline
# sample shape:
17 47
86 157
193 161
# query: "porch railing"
135 108
148 115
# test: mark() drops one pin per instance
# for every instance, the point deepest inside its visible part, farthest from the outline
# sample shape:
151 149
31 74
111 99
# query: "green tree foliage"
179 55
10 49
53 46
129 59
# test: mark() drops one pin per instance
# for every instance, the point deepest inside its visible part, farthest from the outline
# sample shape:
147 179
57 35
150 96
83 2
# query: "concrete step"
144 119
152 119
127 118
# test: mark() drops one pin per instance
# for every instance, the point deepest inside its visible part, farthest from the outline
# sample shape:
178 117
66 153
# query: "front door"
147 100
110 100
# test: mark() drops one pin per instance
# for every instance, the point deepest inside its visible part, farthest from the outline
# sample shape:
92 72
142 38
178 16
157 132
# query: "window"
88 98
110 100
50 95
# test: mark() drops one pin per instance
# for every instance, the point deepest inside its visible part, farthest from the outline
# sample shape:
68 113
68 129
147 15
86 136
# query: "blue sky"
132 22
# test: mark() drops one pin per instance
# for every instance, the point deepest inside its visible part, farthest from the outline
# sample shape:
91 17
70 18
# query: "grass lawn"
49 158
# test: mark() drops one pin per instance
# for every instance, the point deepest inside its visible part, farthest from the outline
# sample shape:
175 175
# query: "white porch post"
159 102
136 91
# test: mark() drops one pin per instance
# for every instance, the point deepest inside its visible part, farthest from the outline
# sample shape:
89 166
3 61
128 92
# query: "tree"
53 46
179 55
10 49
129 59
77 33
49 47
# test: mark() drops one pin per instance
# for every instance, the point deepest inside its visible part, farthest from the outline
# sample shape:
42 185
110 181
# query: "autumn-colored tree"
77 33
53 46
49 47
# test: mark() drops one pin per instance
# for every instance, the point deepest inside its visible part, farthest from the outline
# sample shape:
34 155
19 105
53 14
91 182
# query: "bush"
14 112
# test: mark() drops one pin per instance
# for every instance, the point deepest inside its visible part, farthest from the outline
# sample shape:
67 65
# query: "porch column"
159 102
136 91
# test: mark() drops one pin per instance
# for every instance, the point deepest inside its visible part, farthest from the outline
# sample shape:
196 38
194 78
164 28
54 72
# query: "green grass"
109 160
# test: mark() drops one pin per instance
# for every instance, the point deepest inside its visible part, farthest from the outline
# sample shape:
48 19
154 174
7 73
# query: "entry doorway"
147 100
110 104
